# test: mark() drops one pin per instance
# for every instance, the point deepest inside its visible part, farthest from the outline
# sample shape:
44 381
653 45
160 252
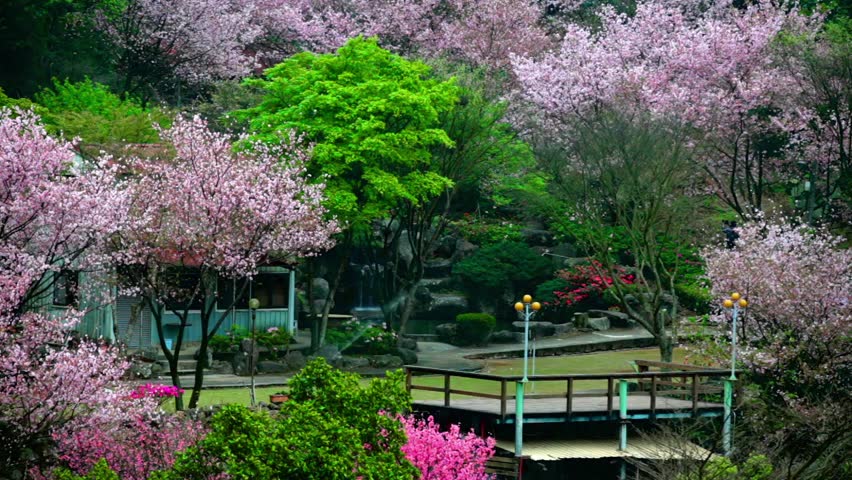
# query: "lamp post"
734 304
528 307
253 304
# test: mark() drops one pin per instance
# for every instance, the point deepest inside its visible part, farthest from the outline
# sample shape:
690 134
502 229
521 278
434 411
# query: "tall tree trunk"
332 290
407 308
666 347
171 358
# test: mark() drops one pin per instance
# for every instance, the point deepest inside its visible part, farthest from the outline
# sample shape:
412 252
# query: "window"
65 287
271 289
186 283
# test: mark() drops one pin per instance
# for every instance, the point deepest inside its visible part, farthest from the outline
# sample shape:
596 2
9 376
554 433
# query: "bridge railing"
695 385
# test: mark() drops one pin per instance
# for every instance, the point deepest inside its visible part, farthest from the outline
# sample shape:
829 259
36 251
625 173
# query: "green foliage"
375 341
272 338
373 117
571 229
99 471
497 267
22 103
320 432
475 328
544 292
226 97
694 296
92 112
756 467
482 231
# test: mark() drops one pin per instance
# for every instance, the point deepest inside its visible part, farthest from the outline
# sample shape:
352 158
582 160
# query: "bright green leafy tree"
373 117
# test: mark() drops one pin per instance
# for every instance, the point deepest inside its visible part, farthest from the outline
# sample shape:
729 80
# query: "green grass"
603 362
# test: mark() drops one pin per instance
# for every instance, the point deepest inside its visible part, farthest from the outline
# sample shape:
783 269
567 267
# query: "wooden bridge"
682 393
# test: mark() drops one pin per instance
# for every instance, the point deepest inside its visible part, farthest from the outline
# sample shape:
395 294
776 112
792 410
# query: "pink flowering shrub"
133 447
586 286
156 391
448 455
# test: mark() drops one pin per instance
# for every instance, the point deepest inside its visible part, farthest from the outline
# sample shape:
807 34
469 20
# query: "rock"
446 246
463 249
408 356
330 353
268 366
319 305
385 361
581 319
320 287
422 294
439 267
156 370
564 328
536 237
295 361
537 329
439 284
141 370
616 319
507 336
209 357
240 364
447 332
219 366
408 343
443 306
599 324
353 363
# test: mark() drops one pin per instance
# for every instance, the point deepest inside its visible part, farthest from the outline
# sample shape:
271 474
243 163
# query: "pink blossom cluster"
215 208
447 455
134 445
798 282
156 390
709 66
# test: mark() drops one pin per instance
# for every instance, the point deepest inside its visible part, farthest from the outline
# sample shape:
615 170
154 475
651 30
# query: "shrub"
273 338
498 267
586 288
694 296
462 456
375 341
475 328
482 231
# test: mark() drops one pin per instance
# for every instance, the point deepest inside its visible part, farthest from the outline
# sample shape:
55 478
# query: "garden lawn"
603 362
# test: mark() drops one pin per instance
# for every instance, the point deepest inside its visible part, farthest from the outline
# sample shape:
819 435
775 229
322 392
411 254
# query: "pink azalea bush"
448 455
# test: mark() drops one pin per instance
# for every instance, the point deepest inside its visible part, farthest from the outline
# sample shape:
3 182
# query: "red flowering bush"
585 286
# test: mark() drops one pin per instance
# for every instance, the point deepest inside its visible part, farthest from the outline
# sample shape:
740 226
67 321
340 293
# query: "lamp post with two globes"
528 308
734 304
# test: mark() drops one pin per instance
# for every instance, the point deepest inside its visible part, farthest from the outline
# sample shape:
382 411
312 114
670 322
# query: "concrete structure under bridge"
588 419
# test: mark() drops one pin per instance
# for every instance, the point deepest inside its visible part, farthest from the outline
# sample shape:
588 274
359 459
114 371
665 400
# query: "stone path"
442 355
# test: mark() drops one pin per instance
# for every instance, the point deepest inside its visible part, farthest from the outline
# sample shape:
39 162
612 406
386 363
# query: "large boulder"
447 332
208 358
353 363
268 366
564 328
438 267
408 356
442 306
599 324
408 342
295 361
221 366
616 319
506 336
385 361
330 353
537 329
463 250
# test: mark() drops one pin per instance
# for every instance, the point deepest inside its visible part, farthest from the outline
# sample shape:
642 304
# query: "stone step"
184 367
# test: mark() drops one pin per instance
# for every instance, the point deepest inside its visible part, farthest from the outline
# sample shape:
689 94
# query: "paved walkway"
442 355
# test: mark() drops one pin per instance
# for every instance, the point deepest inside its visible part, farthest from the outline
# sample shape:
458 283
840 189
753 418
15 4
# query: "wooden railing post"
694 394
503 398
446 389
408 380
609 388
653 396
570 397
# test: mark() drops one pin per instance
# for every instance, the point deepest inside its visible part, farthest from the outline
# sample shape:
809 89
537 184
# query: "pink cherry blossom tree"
794 338
56 211
209 212
161 43
448 455
712 67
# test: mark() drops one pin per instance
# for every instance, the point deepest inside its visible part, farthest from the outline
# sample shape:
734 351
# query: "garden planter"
278 398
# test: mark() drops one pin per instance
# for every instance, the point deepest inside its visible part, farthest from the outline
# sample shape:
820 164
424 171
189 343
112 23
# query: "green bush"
99 471
496 268
694 296
475 328
273 338
331 428
483 231
375 341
